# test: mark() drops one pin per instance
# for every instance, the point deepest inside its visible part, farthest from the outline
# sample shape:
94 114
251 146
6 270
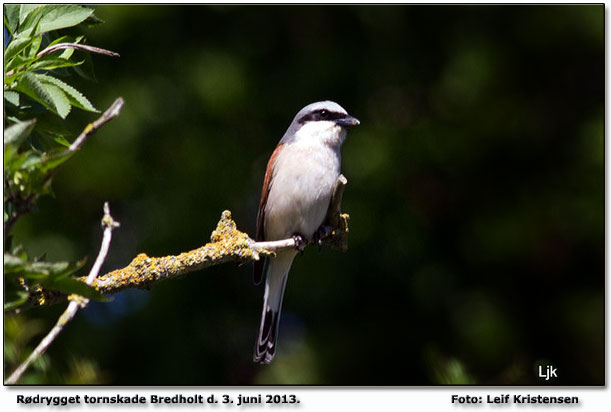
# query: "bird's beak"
348 121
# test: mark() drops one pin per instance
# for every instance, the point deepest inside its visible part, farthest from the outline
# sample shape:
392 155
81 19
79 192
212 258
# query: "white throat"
321 132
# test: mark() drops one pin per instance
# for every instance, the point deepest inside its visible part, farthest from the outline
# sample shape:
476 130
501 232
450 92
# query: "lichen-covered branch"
227 244
335 219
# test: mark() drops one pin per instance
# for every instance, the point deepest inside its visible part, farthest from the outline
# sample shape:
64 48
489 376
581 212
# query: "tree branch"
110 113
76 301
24 205
335 219
91 49
227 244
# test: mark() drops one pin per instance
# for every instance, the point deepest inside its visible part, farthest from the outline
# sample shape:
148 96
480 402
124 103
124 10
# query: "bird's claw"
322 233
300 244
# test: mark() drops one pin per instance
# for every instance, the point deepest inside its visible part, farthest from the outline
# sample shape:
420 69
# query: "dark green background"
476 194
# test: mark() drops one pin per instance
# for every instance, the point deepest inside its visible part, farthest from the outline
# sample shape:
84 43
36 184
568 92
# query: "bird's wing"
260 235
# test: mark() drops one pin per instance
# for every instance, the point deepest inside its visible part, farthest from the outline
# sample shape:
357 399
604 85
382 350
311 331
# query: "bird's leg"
300 243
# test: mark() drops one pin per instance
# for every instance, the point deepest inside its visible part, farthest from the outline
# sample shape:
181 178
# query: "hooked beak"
348 121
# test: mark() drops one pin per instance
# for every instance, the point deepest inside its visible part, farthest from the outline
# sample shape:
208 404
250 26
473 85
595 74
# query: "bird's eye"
324 113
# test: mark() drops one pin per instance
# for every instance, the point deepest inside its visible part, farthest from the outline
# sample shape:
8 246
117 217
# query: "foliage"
30 55
36 139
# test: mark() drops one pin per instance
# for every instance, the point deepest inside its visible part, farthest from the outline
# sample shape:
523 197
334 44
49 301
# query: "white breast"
304 176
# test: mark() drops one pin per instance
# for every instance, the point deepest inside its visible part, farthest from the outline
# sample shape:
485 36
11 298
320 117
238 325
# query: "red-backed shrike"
299 182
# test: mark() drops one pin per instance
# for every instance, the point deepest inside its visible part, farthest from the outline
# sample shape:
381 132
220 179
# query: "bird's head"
326 121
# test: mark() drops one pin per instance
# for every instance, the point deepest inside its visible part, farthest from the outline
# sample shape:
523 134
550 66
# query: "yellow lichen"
88 128
40 296
228 240
82 301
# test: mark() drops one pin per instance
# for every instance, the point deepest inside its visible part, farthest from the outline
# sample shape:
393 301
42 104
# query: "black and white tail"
275 282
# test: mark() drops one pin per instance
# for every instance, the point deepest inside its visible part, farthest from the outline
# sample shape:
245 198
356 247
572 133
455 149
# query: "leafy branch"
76 301
36 141
27 68
38 99
19 270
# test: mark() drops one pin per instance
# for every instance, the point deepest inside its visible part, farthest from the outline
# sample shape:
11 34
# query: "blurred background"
475 191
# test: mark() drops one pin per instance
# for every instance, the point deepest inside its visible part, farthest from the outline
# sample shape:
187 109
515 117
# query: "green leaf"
13 263
71 285
42 163
15 63
33 48
14 299
54 63
54 158
12 162
58 40
31 158
66 53
25 9
93 20
16 45
61 140
11 17
50 127
51 275
60 100
17 133
46 93
31 86
51 270
31 23
64 269
75 97
19 251
56 17
12 97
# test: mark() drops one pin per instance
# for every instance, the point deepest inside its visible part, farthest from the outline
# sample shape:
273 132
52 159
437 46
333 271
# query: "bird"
299 181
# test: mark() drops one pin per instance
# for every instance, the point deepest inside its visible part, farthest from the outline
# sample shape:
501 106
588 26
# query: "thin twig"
77 46
76 302
108 223
274 245
110 113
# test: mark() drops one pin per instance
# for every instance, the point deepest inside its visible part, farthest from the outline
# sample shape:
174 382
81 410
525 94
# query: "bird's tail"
275 282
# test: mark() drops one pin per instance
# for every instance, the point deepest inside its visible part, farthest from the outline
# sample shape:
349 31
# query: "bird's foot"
300 243
322 233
